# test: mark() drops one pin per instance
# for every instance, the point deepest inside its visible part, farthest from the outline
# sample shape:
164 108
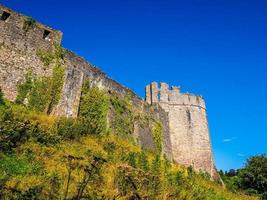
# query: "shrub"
10 165
69 128
93 109
13 131
253 177
143 161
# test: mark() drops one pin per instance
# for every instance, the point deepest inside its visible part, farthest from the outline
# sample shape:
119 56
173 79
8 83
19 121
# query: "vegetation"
45 157
43 93
252 179
122 114
157 135
93 108
28 23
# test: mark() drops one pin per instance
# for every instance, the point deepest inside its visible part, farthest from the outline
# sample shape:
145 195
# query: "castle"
186 138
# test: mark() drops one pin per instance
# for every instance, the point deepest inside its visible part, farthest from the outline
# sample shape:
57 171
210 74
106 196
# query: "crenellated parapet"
188 125
163 94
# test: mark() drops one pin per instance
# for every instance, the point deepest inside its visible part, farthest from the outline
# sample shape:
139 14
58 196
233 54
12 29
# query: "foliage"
69 128
56 86
122 115
38 95
254 174
50 57
43 93
13 131
24 88
77 165
93 109
28 23
157 135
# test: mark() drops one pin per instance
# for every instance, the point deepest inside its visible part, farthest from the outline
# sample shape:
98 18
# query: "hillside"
45 157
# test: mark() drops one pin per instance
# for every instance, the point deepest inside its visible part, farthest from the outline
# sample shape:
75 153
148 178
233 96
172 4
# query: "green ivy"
57 81
48 57
24 88
93 108
43 93
38 97
122 117
28 23
157 135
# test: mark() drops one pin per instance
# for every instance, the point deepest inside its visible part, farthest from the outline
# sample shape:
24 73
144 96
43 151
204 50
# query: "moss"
28 23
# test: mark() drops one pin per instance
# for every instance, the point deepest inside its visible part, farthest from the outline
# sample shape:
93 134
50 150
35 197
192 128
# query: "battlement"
173 95
24 33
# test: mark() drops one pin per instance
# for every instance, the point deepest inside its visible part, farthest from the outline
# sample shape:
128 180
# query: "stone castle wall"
185 129
18 55
18 48
188 125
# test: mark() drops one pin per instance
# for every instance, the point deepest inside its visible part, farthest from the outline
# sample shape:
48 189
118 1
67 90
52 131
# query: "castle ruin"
186 137
188 125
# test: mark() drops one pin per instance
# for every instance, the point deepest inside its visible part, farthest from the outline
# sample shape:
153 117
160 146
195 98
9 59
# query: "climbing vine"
48 57
43 93
157 135
122 114
28 23
93 109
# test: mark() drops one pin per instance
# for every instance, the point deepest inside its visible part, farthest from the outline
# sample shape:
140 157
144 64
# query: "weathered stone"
188 128
183 116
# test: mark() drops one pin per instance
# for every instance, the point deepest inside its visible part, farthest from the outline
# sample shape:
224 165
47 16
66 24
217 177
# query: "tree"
253 177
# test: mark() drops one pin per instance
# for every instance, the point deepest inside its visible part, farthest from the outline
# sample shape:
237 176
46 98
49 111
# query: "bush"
93 109
13 132
253 177
68 128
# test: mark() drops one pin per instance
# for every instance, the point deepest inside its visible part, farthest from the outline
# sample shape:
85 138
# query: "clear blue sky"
211 47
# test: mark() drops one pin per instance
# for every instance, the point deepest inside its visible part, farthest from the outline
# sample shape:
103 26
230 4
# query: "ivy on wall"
157 135
43 93
122 121
93 108
28 23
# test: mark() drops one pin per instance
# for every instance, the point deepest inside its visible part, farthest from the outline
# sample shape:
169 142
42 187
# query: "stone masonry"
185 129
188 125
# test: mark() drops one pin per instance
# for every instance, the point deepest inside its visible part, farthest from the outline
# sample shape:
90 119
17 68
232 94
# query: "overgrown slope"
44 157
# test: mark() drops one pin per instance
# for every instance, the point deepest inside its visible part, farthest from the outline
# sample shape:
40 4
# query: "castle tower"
188 125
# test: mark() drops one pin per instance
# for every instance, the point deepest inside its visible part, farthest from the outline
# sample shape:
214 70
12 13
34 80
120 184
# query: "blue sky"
215 48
